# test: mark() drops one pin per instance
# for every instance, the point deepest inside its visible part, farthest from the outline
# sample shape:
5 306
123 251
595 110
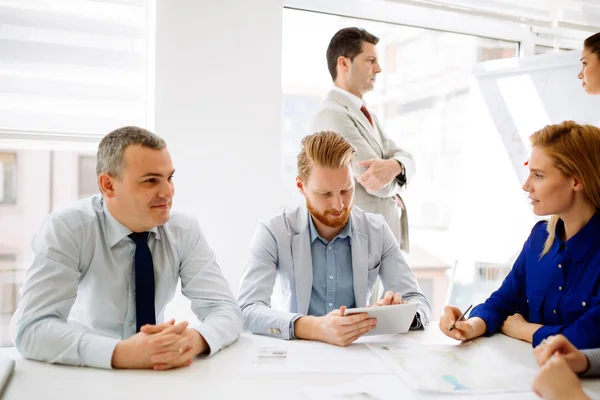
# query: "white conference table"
226 375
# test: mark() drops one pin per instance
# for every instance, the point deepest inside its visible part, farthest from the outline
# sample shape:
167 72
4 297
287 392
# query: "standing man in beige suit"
382 169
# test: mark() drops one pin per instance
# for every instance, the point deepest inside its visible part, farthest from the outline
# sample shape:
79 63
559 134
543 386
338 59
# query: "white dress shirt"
78 300
358 103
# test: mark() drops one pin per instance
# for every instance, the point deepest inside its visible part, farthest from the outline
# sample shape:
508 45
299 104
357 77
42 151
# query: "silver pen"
461 317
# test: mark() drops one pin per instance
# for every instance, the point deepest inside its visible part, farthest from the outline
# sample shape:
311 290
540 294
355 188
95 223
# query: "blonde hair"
326 149
575 151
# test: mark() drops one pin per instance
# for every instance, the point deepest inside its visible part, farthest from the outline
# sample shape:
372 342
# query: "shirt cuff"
542 333
491 319
416 324
97 351
593 357
212 338
294 319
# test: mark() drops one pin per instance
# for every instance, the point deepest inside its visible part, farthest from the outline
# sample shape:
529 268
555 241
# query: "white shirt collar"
356 101
116 231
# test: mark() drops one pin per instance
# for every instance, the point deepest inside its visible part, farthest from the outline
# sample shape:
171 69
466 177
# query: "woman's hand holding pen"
453 326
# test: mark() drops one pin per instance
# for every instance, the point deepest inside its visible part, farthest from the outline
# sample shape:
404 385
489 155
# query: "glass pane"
73 66
421 100
48 180
541 49
88 185
8 178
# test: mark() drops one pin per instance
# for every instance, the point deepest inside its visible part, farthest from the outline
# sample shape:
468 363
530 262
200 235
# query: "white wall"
218 106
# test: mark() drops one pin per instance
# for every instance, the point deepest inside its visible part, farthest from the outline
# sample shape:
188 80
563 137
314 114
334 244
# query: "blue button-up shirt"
333 279
333 285
558 290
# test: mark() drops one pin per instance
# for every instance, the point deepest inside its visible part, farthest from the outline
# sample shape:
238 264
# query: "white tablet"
390 319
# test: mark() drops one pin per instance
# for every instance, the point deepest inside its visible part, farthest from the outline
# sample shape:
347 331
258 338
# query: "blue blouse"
558 290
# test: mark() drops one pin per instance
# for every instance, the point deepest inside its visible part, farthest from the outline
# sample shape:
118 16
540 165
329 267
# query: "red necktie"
367 114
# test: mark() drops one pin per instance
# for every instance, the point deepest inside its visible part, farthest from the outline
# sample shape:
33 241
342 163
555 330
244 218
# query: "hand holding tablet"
391 319
390 298
334 327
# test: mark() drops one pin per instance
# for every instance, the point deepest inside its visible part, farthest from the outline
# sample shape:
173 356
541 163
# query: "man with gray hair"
105 269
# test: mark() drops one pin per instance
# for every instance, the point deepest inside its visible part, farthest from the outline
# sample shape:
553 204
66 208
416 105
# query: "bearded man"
324 257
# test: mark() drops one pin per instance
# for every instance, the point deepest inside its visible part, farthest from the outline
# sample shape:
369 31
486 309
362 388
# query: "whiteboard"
509 100
522 95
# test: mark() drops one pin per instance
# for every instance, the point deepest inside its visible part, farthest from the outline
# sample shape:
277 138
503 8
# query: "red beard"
327 219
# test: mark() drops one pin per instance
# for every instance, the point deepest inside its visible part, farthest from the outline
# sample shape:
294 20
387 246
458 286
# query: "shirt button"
527 301
330 304
559 265
583 304
130 323
330 276
554 311
560 288
329 247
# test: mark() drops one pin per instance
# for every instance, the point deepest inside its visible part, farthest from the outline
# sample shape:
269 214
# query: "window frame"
395 12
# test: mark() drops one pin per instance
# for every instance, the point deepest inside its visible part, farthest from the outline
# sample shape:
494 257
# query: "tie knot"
139 237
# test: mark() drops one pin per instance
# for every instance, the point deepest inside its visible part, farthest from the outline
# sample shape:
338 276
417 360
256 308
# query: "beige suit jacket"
338 114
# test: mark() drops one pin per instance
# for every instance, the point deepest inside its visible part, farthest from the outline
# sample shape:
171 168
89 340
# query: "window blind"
73 68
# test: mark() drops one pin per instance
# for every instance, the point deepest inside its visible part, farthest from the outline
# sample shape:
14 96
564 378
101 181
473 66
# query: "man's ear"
343 63
300 185
106 184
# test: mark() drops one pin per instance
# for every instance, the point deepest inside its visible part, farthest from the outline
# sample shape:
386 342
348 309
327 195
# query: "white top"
358 103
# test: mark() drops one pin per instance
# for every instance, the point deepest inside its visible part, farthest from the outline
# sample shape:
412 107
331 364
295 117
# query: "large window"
8 178
72 66
48 180
70 72
421 98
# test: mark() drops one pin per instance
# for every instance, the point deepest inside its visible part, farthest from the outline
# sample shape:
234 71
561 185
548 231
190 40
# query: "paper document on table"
465 368
371 387
309 356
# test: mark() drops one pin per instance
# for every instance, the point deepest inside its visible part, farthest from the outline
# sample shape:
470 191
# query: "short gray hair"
111 149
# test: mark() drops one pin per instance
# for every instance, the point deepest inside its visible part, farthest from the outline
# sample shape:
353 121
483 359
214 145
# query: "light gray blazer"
338 114
280 264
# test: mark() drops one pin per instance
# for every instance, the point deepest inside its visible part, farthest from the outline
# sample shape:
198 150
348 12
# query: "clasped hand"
160 347
379 173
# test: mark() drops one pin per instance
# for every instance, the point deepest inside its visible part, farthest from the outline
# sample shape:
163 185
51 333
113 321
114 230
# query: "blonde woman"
553 286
